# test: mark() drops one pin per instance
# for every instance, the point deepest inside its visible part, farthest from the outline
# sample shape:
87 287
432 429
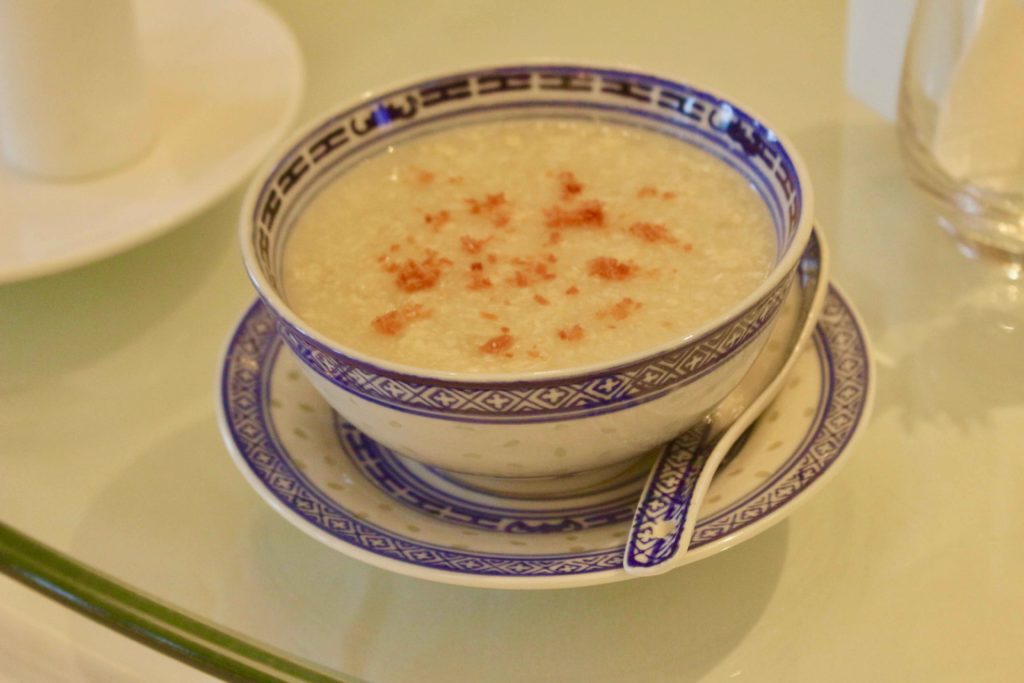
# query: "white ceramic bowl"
549 423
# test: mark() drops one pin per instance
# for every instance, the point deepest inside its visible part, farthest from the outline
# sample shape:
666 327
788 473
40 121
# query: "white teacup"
73 88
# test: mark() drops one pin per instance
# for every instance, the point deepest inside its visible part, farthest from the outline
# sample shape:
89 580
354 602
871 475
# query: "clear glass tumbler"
961 121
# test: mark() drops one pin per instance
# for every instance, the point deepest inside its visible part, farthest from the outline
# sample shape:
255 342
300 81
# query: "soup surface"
526 245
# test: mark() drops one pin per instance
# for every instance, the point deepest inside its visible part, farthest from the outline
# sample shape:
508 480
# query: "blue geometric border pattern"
244 385
540 401
389 473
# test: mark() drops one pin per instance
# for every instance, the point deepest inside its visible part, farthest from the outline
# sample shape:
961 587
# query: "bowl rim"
275 302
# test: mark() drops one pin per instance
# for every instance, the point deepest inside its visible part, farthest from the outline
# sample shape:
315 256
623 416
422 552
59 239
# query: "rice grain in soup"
526 245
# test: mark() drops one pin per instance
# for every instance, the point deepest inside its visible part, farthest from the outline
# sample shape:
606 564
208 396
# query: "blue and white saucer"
358 497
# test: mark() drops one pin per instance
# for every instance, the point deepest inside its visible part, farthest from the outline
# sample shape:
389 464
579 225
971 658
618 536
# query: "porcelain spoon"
667 512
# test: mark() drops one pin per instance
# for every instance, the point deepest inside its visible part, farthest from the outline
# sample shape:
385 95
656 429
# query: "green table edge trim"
144 619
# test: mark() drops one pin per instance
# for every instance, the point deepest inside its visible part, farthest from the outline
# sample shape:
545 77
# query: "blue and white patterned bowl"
541 424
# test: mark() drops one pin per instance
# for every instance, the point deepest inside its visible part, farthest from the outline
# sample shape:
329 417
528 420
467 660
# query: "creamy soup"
526 245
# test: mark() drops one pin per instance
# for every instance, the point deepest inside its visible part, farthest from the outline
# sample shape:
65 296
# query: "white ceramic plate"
348 492
227 79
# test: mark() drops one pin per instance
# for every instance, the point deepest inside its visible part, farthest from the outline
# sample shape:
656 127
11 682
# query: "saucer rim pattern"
843 404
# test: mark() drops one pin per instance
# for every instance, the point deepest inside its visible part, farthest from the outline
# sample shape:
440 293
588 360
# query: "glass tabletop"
119 499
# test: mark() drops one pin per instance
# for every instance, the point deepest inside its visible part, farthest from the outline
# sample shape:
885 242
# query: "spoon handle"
666 517
662 522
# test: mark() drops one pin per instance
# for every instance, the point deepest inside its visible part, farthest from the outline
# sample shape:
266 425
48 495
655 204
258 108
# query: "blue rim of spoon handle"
657 528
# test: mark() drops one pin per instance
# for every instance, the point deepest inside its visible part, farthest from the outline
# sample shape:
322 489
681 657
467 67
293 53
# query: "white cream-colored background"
907 567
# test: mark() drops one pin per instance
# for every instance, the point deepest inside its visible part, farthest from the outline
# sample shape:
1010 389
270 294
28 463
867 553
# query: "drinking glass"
961 121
